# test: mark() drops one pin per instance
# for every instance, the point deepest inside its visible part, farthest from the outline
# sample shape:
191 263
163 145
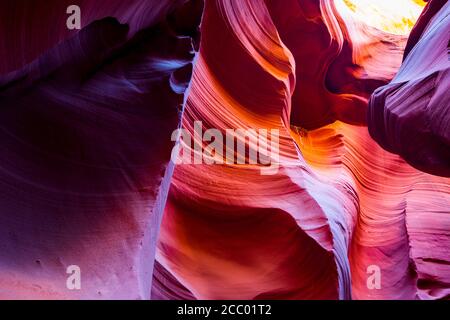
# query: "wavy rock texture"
411 115
87 117
339 59
85 142
339 202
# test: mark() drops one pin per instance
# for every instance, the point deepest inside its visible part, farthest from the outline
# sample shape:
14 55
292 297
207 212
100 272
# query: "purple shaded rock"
85 150
411 115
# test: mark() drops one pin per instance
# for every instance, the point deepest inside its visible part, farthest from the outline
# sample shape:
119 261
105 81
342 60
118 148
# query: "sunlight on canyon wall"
393 16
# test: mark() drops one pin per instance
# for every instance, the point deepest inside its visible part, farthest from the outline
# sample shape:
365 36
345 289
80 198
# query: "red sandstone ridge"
339 204
339 60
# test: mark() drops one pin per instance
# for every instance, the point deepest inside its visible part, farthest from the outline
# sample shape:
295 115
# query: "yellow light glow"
393 16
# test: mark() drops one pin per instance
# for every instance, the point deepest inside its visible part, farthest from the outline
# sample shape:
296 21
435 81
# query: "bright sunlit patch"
393 16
